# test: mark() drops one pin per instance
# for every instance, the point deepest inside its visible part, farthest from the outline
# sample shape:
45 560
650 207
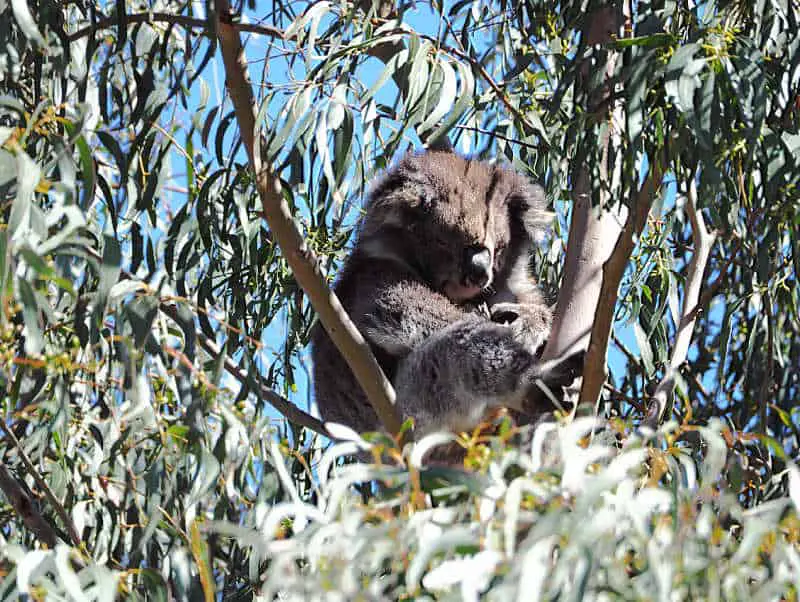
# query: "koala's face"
457 222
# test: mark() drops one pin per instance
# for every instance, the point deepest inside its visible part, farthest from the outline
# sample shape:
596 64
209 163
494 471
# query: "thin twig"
26 509
619 395
185 21
766 383
632 359
514 141
62 513
289 410
299 256
703 241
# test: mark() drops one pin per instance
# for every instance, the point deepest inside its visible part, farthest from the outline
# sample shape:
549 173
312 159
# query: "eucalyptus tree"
153 326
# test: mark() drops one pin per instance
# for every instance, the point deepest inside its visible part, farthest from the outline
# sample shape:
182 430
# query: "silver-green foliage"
575 515
144 307
560 519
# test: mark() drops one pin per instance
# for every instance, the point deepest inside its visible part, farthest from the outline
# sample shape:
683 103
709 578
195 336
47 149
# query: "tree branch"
184 20
26 509
592 233
766 384
289 410
62 513
593 229
594 371
299 256
703 241
712 290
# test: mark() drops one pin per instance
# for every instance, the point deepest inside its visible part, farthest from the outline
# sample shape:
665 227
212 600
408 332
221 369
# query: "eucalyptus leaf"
149 316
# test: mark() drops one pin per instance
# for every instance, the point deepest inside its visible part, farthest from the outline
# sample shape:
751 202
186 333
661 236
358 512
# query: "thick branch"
593 230
25 508
299 256
703 241
592 234
594 372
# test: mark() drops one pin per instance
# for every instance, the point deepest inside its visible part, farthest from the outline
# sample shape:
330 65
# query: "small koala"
443 239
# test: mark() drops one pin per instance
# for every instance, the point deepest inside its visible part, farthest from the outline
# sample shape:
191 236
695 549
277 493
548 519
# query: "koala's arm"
452 378
403 314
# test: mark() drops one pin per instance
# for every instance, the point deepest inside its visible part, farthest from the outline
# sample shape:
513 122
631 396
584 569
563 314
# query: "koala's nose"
478 263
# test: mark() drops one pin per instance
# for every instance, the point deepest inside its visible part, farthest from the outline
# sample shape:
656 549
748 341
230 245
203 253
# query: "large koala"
443 240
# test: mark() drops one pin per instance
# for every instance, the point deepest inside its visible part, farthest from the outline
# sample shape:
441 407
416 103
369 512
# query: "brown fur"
404 285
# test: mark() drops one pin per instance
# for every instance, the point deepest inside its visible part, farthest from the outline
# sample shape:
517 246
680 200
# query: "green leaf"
682 79
21 217
108 276
656 40
26 23
644 348
392 67
465 98
447 96
34 341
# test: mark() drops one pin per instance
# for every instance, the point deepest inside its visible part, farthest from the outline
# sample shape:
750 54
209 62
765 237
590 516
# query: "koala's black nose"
478 265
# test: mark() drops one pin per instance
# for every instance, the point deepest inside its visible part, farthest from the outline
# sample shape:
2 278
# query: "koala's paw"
530 323
552 378
566 371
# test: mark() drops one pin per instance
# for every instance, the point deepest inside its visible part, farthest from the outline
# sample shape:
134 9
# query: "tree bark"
299 256
593 232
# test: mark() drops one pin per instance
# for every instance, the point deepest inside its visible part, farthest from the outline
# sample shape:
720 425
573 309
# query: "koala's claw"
536 316
551 382
566 371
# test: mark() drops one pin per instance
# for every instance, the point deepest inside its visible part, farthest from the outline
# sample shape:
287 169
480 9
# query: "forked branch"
703 241
594 373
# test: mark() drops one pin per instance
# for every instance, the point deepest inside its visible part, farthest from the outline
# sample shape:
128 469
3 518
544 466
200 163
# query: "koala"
438 283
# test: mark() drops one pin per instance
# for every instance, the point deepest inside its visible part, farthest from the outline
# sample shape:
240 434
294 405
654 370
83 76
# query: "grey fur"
404 288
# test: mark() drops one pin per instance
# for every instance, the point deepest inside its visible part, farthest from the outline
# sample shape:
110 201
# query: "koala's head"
461 224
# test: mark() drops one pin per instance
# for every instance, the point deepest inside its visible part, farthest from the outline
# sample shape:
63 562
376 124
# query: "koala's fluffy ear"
382 207
401 188
525 200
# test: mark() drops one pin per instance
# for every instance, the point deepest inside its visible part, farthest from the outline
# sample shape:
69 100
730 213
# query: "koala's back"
378 296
